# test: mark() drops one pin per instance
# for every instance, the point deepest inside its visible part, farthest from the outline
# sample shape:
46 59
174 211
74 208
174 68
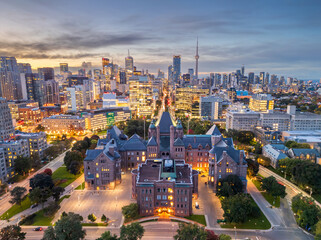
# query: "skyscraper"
46 73
63 67
10 83
170 73
261 78
176 68
243 70
6 127
267 78
105 63
196 58
129 63
251 77
24 67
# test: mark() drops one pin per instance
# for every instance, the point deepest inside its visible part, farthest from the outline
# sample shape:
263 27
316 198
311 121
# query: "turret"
179 129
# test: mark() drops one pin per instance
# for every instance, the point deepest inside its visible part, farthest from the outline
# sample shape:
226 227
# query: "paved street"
210 205
108 202
53 165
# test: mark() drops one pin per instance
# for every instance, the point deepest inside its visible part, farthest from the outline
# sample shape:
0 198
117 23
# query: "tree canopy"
294 144
108 236
17 194
12 232
187 231
42 181
22 165
230 185
273 187
132 231
68 227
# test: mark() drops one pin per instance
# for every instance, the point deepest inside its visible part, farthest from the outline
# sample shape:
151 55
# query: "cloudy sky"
276 36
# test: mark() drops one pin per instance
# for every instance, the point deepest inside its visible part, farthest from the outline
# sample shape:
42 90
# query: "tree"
42 181
76 167
103 218
92 217
12 232
73 156
48 171
234 183
264 161
211 235
273 187
287 165
238 208
40 128
307 174
294 144
318 230
190 231
3 188
253 167
67 228
17 194
40 195
130 211
108 236
307 212
224 237
22 165
56 192
132 231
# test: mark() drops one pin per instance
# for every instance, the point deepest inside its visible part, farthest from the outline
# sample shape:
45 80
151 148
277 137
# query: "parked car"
34 205
37 229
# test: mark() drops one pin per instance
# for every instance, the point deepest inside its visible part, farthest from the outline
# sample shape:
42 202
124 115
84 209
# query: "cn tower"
196 58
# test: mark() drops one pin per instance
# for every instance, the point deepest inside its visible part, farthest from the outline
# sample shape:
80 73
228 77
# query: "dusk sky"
279 36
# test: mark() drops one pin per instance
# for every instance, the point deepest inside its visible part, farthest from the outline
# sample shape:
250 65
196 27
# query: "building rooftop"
164 122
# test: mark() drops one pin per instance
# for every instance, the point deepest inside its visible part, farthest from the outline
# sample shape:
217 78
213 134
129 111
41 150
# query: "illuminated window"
97 175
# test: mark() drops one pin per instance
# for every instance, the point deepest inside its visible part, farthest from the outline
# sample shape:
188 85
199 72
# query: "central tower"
196 58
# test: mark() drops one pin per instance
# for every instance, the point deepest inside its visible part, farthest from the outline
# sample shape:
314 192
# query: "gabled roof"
135 143
164 143
298 151
196 140
91 154
178 142
152 142
214 131
165 122
232 152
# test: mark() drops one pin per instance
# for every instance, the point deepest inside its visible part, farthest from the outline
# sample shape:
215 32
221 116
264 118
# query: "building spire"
196 58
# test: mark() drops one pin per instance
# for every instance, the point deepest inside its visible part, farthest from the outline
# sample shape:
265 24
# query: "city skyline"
280 38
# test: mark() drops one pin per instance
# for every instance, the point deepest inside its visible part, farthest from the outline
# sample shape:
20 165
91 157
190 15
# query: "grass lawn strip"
81 186
61 174
268 197
260 222
94 224
15 209
197 218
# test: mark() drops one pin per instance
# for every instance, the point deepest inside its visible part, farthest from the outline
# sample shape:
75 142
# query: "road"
53 165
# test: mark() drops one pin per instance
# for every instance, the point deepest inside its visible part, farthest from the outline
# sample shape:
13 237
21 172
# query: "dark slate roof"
116 134
102 141
298 151
165 122
135 143
112 157
228 141
152 142
91 154
232 152
178 142
199 139
164 143
214 131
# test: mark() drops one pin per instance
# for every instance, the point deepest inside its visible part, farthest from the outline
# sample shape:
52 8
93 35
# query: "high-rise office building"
6 127
251 77
51 88
24 68
267 79
63 67
191 72
10 82
129 63
46 73
176 68
261 78
170 73
274 79
243 70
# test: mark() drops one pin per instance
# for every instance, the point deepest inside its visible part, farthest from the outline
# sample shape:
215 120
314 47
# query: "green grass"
41 220
257 184
94 224
15 209
268 197
81 187
197 218
61 174
260 222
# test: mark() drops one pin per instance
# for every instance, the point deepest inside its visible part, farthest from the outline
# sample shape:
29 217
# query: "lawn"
197 218
63 177
268 197
257 184
81 186
260 222
15 209
94 224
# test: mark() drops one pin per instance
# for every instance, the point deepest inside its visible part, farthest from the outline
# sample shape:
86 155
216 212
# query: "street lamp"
235 232
310 190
